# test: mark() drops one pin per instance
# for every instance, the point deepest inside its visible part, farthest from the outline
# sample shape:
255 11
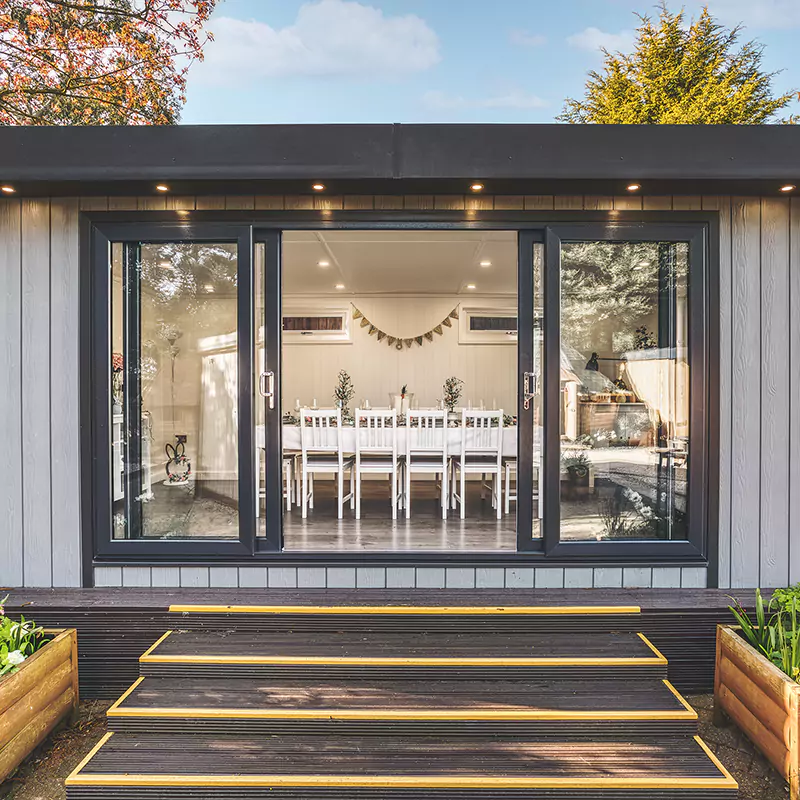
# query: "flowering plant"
18 640
117 367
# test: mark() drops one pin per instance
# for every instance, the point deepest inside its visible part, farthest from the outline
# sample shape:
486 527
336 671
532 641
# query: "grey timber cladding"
759 490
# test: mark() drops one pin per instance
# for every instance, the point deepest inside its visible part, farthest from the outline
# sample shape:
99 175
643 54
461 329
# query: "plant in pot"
344 393
451 394
756 679
38 685
577 466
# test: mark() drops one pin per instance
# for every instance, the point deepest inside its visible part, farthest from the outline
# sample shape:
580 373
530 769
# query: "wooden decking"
115 626
424 714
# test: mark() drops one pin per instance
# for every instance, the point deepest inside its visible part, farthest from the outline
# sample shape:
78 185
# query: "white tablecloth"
291 439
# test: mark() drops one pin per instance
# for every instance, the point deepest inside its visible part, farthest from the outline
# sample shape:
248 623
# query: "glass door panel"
175 390
624 390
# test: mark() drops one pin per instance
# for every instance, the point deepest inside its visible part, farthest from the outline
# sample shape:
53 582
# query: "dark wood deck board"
313 755
379 696
389 645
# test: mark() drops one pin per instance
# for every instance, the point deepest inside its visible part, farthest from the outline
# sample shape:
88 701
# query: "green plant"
774 633
452 392
18 640
576 462
783 598
344 392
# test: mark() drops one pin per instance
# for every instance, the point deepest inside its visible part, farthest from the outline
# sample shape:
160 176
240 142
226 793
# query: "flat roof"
401 158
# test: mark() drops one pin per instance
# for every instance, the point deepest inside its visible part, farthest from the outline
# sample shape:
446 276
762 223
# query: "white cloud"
515 99
757 13
594 39
328 38
524 39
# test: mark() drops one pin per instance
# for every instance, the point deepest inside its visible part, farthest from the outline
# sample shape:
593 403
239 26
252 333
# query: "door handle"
266 386
530 384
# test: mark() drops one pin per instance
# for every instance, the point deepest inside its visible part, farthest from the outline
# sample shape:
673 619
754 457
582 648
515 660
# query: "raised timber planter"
763 701
36 698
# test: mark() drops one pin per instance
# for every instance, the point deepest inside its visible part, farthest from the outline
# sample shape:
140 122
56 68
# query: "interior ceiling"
399 262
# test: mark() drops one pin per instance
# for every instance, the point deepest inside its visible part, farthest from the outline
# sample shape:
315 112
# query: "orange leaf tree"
98 62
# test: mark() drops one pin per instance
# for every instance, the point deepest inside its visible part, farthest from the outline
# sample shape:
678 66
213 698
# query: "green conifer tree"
696 74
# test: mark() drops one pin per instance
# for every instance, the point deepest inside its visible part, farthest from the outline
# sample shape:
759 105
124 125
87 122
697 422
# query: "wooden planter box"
37 697
761 700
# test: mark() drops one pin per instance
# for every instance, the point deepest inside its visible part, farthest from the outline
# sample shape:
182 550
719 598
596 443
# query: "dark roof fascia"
396 159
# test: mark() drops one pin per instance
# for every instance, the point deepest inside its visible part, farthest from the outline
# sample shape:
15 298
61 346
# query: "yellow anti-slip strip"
79 778
657 659
394 714
397 782
407 610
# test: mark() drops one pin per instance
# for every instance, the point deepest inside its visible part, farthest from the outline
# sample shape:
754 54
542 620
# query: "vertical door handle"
530 384
266 385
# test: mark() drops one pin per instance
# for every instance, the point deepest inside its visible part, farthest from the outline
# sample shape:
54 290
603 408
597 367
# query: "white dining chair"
321 451
376 451
481 454
509 467
426 451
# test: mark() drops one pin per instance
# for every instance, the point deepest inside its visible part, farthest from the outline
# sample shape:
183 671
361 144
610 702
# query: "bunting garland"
400 343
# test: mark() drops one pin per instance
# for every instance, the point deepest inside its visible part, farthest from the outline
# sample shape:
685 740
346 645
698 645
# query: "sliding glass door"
562 372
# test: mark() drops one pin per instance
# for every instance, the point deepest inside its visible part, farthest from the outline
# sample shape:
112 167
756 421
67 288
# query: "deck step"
508 709
135 766
481 655
399 618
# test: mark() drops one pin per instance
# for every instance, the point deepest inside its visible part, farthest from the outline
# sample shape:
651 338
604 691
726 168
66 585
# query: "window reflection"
624 390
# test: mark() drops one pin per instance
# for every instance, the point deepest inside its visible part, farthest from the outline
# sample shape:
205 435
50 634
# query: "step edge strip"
398 661
410 610
717 763
395 714
652 647
155 644
124 696
395 781
681 699
88 757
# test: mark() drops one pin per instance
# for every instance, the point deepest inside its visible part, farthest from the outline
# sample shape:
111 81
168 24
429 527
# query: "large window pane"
624 390
174 391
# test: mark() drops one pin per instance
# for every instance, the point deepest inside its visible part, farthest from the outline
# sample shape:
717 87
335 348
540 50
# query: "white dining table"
291 439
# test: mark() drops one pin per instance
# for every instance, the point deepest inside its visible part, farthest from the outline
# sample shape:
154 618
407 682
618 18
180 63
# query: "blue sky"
433 60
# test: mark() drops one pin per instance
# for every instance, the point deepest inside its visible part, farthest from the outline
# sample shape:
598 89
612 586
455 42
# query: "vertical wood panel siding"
758 414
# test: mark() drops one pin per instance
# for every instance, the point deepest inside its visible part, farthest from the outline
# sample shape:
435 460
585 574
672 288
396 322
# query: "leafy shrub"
775 632
18 641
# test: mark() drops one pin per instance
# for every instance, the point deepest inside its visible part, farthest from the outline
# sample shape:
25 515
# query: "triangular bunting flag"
372 329
364 322
381 336
438 329
429 336
356 313
419 340
454 313
392 340
447 322
409 342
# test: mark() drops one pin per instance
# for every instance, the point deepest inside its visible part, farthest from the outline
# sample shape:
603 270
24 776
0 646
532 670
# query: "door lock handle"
530 388
266 386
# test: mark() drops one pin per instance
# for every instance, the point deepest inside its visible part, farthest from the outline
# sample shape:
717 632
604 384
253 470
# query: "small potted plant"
577 466
451 394
38 685
344 393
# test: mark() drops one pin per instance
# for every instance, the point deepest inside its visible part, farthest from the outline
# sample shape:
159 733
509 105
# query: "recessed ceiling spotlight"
318 187
339 286
790 187
470 286
8 189
162 187
634 187
323 263
486 263
477 187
